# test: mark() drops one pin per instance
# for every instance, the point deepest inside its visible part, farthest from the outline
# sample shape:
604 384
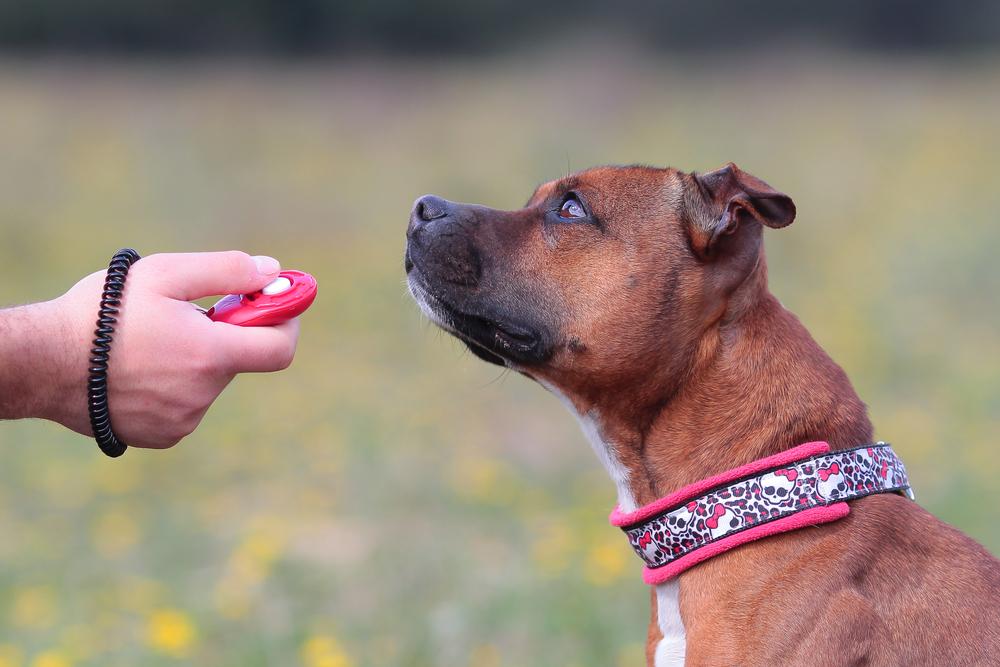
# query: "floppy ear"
731 198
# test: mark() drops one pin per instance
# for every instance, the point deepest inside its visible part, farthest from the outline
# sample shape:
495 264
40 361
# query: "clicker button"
277 286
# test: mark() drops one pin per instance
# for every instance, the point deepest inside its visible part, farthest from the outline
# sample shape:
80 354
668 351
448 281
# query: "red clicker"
285 297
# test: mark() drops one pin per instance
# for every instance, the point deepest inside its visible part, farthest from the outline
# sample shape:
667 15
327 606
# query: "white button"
277 286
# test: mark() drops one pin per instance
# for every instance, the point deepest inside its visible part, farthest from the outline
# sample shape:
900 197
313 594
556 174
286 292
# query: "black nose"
430 208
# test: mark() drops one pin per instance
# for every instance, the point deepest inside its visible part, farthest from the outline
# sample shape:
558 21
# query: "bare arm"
34 362
168 361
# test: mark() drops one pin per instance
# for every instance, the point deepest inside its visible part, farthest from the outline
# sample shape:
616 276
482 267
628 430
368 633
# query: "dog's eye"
572 208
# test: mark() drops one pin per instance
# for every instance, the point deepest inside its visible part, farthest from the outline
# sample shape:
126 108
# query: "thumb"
193 275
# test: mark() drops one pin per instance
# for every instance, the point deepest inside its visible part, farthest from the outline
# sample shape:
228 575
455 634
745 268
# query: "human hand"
169 362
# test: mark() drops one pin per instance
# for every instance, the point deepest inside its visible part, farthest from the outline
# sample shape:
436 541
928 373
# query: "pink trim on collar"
804 486
810 517
622 519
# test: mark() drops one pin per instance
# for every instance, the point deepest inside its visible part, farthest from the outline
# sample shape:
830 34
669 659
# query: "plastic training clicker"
287 296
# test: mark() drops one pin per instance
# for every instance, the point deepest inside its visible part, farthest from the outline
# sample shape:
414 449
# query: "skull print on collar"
804 486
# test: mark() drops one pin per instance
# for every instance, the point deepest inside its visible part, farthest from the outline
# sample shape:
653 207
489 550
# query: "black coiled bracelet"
97 381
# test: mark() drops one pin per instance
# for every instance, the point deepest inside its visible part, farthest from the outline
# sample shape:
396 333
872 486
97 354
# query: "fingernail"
266 265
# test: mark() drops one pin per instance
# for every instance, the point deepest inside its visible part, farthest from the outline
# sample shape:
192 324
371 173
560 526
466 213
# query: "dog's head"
604 276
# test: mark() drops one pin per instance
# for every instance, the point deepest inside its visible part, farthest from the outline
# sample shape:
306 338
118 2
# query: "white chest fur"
670 649
605 451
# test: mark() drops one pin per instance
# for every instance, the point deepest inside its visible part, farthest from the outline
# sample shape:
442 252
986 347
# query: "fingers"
193 275
258 349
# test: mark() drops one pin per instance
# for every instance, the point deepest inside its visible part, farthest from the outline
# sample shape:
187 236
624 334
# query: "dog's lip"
507 336
515 333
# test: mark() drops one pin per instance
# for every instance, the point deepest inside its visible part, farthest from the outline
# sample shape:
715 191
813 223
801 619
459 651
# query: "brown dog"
639 296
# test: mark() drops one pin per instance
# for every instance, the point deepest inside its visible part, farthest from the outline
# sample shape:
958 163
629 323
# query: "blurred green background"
390 500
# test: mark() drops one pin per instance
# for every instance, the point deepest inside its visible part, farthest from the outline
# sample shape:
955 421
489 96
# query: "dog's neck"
757 384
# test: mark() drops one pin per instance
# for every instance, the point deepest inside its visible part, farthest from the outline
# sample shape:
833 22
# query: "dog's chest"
670 649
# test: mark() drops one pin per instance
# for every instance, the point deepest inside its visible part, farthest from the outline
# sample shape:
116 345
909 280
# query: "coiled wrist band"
97 381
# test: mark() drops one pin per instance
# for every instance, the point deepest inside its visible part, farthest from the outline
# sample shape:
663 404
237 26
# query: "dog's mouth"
494 339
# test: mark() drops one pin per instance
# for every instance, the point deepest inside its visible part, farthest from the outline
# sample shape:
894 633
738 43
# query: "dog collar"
804 486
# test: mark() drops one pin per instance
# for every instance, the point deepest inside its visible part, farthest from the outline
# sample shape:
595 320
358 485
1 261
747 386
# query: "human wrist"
33 369
55 358
71 330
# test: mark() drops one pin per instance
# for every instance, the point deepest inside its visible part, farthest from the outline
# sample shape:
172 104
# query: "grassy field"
390 500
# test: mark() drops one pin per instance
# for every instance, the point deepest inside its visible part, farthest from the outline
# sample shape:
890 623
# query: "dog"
639 296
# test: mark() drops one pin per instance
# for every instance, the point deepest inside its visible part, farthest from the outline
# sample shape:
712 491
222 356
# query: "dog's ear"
729 198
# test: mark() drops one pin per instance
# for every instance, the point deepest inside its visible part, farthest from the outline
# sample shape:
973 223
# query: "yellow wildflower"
605 562
10 656
486 655
631 655
324 651
171 632
551 551
34 607
50 659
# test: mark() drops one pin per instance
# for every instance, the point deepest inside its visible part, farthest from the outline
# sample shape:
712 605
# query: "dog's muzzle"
445 274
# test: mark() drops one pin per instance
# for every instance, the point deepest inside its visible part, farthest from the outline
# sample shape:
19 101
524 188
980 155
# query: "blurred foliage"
390 500
298 27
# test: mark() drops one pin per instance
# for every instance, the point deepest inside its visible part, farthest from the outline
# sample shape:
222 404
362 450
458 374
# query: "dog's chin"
493 339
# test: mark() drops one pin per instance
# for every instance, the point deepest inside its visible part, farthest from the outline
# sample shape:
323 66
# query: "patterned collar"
804 486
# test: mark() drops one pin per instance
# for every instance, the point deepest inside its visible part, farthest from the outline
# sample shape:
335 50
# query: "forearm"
168 361
42 362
